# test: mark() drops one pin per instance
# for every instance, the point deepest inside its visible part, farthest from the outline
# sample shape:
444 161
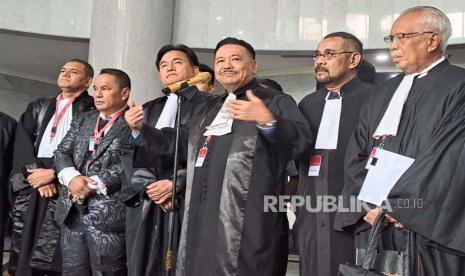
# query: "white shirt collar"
432 65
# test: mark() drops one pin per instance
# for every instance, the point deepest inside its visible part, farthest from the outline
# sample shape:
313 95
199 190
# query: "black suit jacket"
107 212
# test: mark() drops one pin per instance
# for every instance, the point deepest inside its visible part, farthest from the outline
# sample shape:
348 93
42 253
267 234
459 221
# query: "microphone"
199 78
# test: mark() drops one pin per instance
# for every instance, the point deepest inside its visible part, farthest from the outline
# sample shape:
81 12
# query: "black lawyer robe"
321 248
7 135
146 222
431 131
225 229
35 236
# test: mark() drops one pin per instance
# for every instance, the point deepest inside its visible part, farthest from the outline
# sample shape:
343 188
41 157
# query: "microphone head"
204 76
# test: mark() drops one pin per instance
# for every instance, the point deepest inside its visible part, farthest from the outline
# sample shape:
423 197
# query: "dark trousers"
89 251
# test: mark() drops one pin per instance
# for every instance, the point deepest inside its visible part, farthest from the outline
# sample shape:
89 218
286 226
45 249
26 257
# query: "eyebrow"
174 59
234 55
325 50
72 69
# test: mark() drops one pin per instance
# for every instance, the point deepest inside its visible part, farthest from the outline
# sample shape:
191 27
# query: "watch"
271 123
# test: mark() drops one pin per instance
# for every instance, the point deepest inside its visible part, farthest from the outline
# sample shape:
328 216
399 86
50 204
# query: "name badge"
314 166
91 144
385 169
201 157
372 160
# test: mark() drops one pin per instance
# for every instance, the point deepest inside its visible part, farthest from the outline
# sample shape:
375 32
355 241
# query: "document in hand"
384 169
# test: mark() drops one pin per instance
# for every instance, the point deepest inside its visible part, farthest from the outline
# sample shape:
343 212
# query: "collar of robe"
188 93
241 91
349 86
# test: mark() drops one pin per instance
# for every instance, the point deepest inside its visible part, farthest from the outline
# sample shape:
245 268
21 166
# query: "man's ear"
89 81
355 60
125 94
255 67
434 42
196 70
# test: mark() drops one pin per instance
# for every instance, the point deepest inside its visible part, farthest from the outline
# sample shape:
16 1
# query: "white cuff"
67 174
135 134
98 186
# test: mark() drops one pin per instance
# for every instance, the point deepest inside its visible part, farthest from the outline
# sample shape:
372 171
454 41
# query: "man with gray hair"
417 118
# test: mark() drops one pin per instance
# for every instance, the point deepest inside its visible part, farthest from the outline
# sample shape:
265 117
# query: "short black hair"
240 42
178 47
352 41
270 84
206 68
88 70
122 78
366 72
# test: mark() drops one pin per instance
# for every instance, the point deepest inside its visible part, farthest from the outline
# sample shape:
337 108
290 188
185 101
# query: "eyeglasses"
329 55
402 36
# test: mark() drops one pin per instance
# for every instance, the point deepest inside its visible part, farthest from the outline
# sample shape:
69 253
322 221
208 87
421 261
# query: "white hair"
436 20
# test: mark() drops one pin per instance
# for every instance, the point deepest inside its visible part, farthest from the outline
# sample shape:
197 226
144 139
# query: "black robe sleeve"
357 153
429 197
292 135
7 132
24 151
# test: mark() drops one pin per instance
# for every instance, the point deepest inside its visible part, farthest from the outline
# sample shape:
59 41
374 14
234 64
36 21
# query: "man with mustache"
417 116
238 152
332 113
35 240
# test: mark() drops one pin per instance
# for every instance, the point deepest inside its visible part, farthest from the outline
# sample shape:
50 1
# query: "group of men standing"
91 177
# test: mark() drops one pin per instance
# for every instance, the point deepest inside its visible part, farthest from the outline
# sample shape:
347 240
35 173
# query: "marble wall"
298 24
70 18
16 93
297 85
267 24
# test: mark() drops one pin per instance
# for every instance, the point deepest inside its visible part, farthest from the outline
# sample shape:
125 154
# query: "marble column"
127 34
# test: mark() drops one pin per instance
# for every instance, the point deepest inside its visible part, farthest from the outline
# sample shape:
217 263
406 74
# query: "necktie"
391 118
221 125
168 115
328 131
102 123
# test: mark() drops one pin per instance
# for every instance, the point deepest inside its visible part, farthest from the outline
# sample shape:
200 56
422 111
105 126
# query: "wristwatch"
271 123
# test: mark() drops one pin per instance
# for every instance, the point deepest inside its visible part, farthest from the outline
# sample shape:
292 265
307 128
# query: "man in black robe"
7 136
35 242
337 59
237 155
429 128
147 191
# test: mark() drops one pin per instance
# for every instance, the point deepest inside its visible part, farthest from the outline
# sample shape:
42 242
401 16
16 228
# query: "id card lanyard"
58 115
203 152
372 160
94 141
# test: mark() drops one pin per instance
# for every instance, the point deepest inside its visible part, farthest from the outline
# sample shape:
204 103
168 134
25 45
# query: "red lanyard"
383 140
59 114
209 138
97 133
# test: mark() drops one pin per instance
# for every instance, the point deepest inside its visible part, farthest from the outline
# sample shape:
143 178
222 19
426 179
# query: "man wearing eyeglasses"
332 112
417 119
